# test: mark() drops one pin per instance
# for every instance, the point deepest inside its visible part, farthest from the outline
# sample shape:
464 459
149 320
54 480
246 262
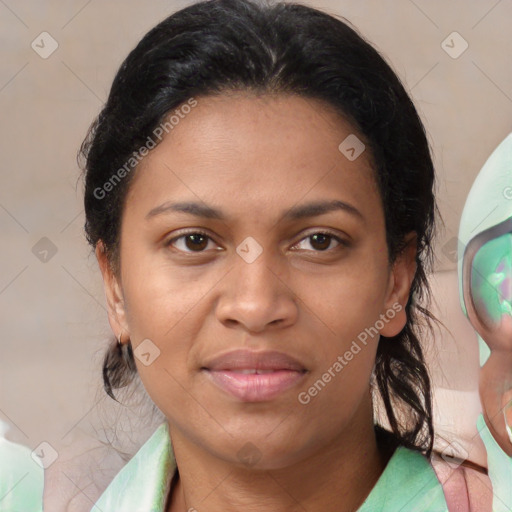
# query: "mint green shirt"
21 477
408 482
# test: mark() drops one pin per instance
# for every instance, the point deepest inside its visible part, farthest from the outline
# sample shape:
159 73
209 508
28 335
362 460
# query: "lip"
230 372
243 359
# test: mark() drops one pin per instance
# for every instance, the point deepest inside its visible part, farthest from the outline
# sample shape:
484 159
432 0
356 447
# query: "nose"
256 296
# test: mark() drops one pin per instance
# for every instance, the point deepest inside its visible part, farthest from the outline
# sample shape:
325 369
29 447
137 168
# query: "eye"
193 241
320 241
198 241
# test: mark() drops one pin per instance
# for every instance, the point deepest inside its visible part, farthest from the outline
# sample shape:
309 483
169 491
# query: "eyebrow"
311 209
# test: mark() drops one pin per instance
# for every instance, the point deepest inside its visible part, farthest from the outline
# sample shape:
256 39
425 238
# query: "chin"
262 449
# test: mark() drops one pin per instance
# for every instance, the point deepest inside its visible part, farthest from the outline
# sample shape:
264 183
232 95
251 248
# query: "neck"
338 477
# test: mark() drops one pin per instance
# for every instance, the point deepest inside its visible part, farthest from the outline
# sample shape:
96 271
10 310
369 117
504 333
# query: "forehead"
255 153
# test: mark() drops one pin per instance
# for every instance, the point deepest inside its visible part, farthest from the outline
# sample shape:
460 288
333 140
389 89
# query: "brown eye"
321 242
196 241
191 242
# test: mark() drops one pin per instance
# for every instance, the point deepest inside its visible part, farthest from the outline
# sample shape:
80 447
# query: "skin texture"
254 157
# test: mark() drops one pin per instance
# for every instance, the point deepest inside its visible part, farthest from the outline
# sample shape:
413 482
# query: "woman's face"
268 272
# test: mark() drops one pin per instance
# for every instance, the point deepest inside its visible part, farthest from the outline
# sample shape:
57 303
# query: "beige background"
52 316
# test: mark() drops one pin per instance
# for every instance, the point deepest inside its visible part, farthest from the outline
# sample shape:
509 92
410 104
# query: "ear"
399 287
113 293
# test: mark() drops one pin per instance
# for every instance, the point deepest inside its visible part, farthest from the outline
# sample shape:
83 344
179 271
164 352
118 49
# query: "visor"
487 282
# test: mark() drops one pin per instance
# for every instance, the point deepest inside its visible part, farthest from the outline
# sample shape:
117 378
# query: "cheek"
166 307
346 350
344 309
160 297
347 301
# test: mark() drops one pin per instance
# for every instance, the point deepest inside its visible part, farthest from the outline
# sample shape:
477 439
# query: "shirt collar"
408 482
143 483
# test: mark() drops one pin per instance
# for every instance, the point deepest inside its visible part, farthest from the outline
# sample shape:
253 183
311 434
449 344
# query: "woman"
259 195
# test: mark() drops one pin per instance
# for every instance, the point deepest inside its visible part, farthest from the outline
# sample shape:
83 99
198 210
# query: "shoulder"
466 486
144 482
82 471
92 472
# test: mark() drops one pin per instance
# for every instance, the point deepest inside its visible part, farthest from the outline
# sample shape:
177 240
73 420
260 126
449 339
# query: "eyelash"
341 242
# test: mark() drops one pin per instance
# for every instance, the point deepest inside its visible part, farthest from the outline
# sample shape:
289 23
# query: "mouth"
254 376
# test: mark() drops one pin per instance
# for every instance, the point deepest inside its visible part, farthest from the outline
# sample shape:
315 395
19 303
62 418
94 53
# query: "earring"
119 339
